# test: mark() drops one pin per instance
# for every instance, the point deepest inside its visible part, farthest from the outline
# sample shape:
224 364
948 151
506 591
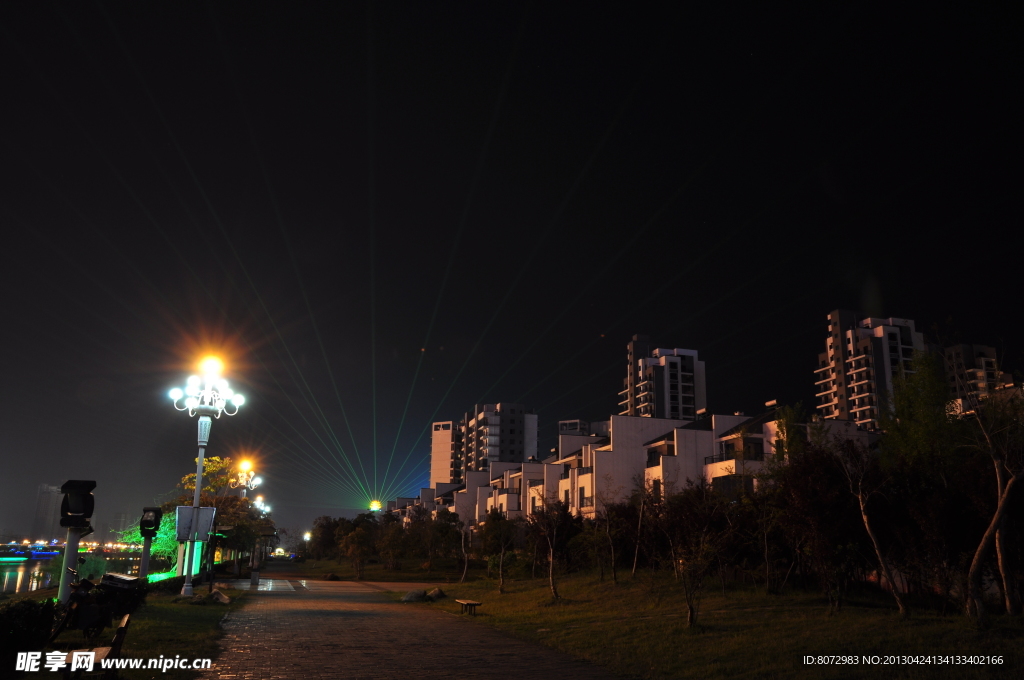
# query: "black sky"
384 214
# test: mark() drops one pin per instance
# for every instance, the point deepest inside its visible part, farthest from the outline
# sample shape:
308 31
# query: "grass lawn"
162 627
639 630
444 571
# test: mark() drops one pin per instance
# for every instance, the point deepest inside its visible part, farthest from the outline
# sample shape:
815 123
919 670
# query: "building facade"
862 359
489 434
973 373
446 461
46 521
662 383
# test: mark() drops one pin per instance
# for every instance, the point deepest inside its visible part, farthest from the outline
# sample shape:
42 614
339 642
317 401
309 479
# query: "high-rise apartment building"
662 383
46 521
862 358
973 372
490 433
446 463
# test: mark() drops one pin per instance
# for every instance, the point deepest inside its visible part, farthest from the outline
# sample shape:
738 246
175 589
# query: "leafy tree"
357 546
165 545
391 541
860 466
217 473
554 526
698 518
322 541
997 430
823 526
497 536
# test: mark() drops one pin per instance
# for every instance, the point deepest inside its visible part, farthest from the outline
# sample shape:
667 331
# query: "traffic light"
77 506
150 522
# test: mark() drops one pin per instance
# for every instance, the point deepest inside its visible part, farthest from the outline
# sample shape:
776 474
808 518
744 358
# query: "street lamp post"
246 478
208 397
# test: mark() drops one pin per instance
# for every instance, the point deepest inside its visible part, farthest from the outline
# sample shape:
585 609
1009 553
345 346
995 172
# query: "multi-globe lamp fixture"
208 397
246 478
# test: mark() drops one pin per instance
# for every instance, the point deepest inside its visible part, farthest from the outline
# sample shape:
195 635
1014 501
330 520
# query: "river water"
22 577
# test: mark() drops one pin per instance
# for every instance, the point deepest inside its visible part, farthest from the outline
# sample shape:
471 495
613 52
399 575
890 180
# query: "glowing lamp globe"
211 366
375 506
244 466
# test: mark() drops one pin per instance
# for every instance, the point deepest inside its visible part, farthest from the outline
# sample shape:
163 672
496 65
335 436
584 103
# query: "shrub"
24 627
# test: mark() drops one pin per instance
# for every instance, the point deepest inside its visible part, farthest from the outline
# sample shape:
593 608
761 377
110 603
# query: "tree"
165 545
498 536
822 525
391 541
357 546
322 541
216 474
859 464
997 429
555 527
698 517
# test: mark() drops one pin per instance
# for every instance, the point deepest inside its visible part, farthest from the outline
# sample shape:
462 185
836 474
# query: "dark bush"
24 627
171 585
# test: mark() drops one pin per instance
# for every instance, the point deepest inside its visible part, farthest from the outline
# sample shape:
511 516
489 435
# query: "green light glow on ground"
154 578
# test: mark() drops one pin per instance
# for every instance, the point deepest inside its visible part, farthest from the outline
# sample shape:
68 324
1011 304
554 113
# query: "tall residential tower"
862 359
662 383
490 433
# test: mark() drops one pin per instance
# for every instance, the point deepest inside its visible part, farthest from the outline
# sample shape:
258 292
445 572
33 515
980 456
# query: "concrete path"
324 630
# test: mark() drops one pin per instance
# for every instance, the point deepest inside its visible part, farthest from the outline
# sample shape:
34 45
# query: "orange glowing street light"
246 478
208 397
211 366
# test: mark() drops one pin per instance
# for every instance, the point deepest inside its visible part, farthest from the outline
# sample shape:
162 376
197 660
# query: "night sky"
383 214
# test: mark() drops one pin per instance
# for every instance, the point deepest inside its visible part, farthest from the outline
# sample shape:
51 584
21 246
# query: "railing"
564 475
587 502
734 455
535 482
584 470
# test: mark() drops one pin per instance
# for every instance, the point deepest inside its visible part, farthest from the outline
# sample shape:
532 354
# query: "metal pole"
205 423
144 564
70 560
254 577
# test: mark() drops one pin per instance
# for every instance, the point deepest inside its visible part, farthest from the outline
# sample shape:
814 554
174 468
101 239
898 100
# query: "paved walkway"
324 630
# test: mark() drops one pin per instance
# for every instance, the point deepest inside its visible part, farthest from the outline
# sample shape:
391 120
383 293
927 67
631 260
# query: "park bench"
111 652
469 606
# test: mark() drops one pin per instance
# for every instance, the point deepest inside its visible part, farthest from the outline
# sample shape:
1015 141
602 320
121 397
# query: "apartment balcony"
564 475
587 502
826 391
580 471
720 457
